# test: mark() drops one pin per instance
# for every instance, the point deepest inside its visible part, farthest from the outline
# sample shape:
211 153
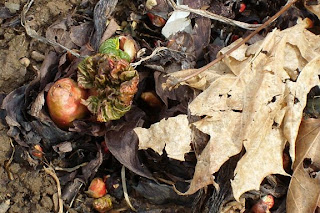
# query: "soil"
30 190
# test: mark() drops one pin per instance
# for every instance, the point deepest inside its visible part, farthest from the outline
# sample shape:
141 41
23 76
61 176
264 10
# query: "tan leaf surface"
173 134
238 59
203 80
258 163
304 188
263 140
224 132
218 96
267 91
296 100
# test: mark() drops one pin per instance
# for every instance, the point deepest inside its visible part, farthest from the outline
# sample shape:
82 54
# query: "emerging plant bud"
103 204
129 45
113 83
63 101
151 99
37 151
156 20
124 47
97 188
104 147
263 205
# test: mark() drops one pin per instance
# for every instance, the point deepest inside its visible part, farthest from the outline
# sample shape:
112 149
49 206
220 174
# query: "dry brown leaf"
262 138
256 100
268 88
173 134
218 96
304 188
203 80
296 100
258 163
238 59
224 132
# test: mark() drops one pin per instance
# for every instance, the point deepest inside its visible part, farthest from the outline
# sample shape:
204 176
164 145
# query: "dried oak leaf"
172 134
304 188
260 100
59 32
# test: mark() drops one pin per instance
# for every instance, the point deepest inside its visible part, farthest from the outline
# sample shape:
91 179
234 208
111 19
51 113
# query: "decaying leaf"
223 131
256 102
312 6
123 142
304 188
173 134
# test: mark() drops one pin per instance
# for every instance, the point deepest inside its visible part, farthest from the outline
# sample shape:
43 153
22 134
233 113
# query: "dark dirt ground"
30 190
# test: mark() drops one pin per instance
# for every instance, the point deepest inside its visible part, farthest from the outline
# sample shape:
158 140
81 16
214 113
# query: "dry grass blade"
154 53
50 171
8 162
213 16
57 168
125 191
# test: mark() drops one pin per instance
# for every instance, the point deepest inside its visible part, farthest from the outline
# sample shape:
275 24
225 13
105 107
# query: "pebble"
37 56
25 61
5 206
13 7
75 2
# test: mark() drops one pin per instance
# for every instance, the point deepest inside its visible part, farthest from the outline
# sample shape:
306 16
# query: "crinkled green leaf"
111 47
113 83
85 74
109 44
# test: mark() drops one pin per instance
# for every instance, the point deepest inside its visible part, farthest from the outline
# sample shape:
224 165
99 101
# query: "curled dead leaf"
304 188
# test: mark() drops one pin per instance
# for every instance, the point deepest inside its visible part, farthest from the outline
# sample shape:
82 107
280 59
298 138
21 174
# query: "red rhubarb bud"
64 102
242 7
113 81
128 45
97 188
37 151
263 205
156 20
